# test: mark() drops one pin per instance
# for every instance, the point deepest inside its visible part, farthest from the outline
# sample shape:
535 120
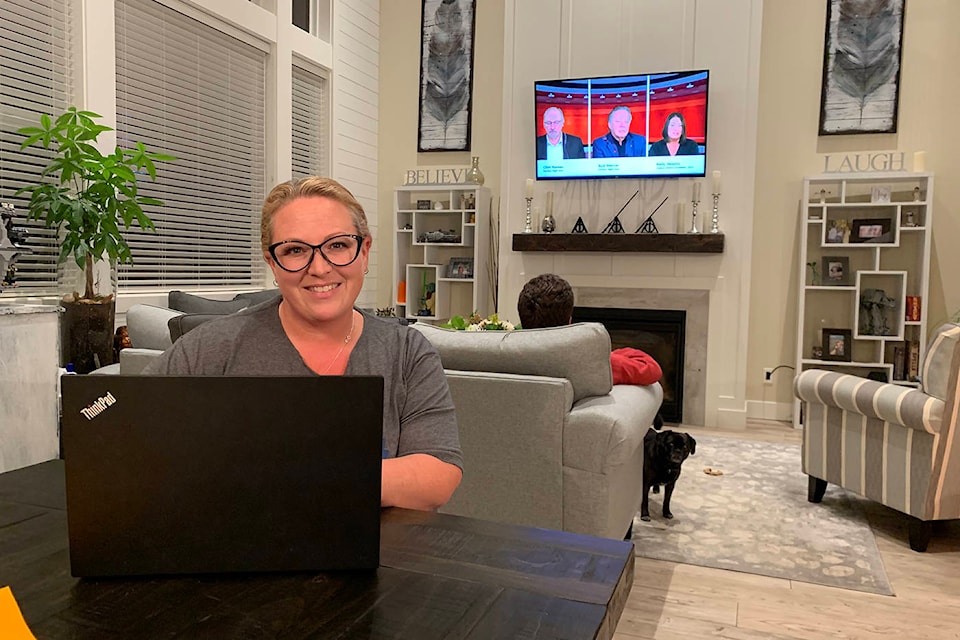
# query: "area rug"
755 518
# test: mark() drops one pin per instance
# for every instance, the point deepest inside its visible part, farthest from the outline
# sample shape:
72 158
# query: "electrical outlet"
768 375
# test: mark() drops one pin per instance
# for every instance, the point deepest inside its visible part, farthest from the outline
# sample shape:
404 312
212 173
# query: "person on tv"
675 141
556 145
316 240
619 142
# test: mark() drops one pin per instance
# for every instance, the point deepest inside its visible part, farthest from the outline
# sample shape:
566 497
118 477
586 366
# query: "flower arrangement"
475 323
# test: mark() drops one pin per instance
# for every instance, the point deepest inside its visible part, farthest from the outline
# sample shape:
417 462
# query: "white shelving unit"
888 217
426 240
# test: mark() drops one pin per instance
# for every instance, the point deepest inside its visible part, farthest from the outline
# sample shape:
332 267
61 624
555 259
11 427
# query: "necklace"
346 341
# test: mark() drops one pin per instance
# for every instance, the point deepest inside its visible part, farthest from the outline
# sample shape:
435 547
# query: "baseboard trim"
766 410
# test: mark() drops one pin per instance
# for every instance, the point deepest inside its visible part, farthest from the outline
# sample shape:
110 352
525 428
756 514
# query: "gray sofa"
548 441
153 329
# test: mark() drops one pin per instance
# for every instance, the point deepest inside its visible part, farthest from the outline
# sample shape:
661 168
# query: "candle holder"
715 224
528 225
549 224
693 224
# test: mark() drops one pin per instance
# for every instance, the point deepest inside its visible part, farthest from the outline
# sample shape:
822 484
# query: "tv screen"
637 126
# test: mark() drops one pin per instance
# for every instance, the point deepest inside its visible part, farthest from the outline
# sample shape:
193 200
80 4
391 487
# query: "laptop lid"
210 474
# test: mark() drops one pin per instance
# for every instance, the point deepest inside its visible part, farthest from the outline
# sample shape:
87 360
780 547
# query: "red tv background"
690 101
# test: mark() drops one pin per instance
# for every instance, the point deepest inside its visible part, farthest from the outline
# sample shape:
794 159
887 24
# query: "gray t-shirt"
418 413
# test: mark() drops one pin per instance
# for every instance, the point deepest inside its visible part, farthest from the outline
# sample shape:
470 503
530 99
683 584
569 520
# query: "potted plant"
85 196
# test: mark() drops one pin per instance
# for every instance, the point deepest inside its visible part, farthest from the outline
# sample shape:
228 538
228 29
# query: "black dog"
663 453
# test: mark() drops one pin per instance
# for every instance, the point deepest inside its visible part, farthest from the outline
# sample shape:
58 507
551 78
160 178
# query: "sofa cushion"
189 303
179 325
147 326
256 297
578 352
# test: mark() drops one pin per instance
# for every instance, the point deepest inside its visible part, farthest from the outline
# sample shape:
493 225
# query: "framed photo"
880 195
873 230
460 268
446 74
424 204
836 344
837 232
835 270
857 96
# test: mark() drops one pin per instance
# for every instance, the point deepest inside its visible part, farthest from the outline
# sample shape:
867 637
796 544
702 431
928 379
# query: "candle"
919 161
696 191
716 182
529 187
549 203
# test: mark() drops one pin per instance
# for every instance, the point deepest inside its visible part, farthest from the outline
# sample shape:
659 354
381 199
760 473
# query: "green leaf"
66 118
145 223
89 150
456 322
30 131
125 173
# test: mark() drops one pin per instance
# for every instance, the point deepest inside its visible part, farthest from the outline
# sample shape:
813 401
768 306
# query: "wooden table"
440 576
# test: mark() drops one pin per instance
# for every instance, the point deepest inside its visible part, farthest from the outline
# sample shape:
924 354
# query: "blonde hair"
312 186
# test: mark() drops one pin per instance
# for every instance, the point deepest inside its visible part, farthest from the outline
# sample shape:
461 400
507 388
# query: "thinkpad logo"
99 406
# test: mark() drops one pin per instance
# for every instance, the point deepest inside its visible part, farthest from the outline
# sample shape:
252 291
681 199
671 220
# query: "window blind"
34 79
309 131
186 89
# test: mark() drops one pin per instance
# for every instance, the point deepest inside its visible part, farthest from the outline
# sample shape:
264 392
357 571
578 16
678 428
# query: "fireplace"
660 333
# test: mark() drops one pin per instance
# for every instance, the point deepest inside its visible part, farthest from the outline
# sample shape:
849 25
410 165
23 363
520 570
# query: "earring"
275 283
366 271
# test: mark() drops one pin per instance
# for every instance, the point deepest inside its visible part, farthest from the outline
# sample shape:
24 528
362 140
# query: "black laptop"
209 474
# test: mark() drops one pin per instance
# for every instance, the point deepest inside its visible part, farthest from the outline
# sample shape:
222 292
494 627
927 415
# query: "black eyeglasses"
293 255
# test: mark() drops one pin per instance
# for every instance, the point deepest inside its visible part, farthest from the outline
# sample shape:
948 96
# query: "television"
622 126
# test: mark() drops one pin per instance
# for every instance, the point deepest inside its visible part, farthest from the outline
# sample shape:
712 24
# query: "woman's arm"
417 481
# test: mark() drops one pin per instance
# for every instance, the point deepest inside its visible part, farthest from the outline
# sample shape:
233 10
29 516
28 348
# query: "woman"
675 141
315 238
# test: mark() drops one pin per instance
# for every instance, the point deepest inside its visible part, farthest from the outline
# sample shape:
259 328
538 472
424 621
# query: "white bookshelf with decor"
441 244
864 274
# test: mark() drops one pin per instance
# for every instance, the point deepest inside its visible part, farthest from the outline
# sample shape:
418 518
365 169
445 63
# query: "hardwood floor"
671 601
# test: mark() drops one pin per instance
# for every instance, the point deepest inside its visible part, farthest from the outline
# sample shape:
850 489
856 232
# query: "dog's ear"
691 443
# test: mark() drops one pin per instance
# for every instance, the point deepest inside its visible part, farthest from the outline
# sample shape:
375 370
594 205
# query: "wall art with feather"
861 66
446 74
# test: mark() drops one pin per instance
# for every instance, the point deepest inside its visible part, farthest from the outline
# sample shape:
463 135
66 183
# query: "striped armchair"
892 444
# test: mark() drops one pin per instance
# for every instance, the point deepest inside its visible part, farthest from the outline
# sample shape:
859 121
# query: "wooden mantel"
637 242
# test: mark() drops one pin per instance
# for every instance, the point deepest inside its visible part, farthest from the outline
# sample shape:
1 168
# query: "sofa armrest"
134 360
511 433
888 402
603 432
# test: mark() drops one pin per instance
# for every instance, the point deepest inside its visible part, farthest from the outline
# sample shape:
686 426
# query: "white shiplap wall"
609 37
355 104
